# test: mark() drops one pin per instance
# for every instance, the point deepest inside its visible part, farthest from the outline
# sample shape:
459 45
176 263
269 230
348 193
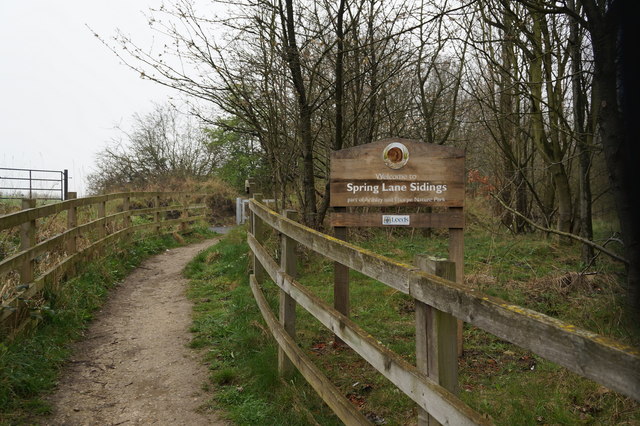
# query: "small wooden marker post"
436 336
288 264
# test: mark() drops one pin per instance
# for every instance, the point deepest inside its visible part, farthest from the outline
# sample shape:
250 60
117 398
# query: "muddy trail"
133 366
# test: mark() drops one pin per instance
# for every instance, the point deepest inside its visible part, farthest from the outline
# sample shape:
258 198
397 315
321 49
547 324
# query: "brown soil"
134 366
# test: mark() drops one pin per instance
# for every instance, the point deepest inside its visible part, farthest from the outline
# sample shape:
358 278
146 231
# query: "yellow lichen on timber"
617 345
572 329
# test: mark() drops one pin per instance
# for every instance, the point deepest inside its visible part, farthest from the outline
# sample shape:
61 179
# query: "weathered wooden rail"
429 384
106 219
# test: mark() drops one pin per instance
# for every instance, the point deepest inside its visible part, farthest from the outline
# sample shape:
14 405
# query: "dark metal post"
65 186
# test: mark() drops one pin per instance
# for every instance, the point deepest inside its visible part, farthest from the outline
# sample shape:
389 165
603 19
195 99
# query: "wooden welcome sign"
398 172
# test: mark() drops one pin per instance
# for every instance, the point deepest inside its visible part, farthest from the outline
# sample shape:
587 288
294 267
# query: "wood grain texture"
440 403
15 219
588 354
24 259
327 391
364 168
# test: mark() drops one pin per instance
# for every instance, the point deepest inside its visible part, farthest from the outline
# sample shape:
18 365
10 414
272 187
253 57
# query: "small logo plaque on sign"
395 155
396 220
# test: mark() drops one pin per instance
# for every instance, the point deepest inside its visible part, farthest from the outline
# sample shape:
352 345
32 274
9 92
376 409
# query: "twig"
565 234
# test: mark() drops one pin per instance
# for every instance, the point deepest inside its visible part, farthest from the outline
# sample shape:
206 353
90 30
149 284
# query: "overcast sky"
62 93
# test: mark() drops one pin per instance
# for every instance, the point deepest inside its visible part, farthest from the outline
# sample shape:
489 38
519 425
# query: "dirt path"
133 367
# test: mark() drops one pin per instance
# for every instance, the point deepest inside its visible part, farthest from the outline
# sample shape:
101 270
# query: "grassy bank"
510 384
30 364
238 348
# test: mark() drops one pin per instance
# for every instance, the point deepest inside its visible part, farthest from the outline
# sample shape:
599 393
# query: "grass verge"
30 364
237 347
510 384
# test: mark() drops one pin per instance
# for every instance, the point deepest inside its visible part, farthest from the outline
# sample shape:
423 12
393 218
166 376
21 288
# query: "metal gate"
34 183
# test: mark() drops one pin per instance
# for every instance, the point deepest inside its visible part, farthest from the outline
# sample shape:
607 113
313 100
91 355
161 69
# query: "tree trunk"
621 152
584 154
304 110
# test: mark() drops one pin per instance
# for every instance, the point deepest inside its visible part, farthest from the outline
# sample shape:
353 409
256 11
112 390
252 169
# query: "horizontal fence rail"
590 355
101 227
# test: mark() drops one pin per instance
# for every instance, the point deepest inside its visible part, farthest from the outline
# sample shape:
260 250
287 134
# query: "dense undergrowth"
30 364
511 385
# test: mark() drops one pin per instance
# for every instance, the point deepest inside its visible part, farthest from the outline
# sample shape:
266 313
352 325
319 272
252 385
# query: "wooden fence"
51 247
431 384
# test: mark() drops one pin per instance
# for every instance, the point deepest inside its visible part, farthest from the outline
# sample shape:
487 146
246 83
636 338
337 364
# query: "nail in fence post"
27 240
288 264
436 336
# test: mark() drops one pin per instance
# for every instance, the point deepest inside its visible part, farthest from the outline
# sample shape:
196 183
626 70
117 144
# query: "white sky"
61 91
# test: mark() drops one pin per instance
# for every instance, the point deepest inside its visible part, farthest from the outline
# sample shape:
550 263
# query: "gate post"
65 189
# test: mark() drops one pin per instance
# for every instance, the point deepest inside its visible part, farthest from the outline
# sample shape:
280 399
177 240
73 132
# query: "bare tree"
162 144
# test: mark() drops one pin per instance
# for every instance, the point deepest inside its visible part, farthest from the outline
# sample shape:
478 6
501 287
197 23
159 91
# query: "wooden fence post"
72 242
72 222
456 255
436 336
288 264
185 213
257 229
102 213
341 299
156 215
250 186
102 227
27 240
126 222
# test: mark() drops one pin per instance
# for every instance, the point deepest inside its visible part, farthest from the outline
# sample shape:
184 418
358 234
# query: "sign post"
398 173
406 173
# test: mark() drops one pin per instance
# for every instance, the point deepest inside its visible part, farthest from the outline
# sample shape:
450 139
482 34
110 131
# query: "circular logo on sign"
395 155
